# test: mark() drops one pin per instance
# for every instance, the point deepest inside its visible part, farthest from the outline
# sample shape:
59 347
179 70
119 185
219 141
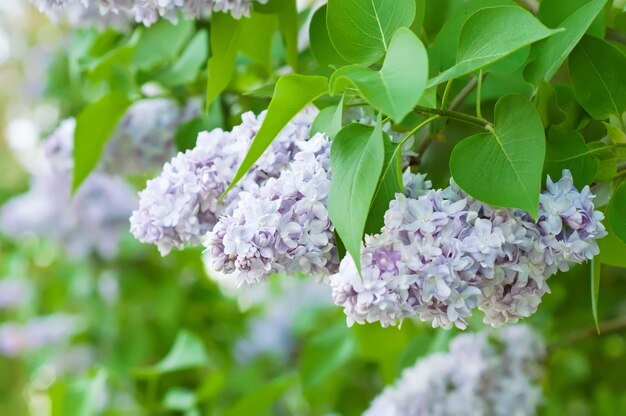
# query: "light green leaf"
596 270
292 93
503 167
161 42
389 184
225 32
553 12
188 352
566 149
489 35
328 121
261 400
80 397
322 48
187 66
617 212
288 24
614 134
361 30
179 399
598 73
399 85
357 155
612 249
105 67
256 38
94 126
551 53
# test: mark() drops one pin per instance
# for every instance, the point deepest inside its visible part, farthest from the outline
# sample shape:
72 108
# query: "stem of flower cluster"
455 115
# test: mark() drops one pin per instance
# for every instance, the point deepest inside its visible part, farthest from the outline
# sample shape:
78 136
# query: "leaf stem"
479 86
446 92
455 115
416 128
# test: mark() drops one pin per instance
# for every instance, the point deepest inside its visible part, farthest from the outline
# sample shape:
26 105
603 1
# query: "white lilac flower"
443 254
122 12
182 204
37 333
482 374
282 226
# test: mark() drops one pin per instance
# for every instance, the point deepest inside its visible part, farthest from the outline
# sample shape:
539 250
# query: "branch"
616 324
531 5
454 115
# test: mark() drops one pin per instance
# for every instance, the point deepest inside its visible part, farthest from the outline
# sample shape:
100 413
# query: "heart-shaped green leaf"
566 149
357 155
322 48
489 35
503 167
362 29
551 53
598 73
399 85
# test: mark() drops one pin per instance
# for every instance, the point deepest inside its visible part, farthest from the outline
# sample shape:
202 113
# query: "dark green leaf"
94 125
186 68
504 167
362 29
399 85
617 212
357 155
322 48
491 34
566 149
225 32
292 93
551 53
598 73
262 400
547 104
256 38
389 184
161 42
612 249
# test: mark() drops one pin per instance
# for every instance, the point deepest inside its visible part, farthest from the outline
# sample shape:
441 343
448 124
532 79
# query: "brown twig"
613 325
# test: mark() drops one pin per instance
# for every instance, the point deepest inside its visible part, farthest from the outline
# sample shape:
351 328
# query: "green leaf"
503 167
617 212
389 184
553 12
188 352
596 270
399 85
161 42
551 53
357 156
612 249
225 33
598 73
186 68
261 400
79 397
566 149
322 48
179 399
292 93
614 134
119 58
288 24
94 126
362 29
547 104
256 38
491 34
328 121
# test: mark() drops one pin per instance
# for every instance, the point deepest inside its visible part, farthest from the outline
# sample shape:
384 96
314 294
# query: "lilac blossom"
121 12
14 292
37 333
178 207
443 254
282 226
482 374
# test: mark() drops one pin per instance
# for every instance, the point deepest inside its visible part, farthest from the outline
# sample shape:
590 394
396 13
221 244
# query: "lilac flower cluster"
443 254
281 226
37 333
14 292
181 205
142 11
480 375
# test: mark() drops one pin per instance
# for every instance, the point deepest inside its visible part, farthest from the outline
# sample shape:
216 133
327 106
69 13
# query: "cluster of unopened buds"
440 255
120 12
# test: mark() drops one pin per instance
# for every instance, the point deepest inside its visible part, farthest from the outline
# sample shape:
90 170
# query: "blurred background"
93 322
